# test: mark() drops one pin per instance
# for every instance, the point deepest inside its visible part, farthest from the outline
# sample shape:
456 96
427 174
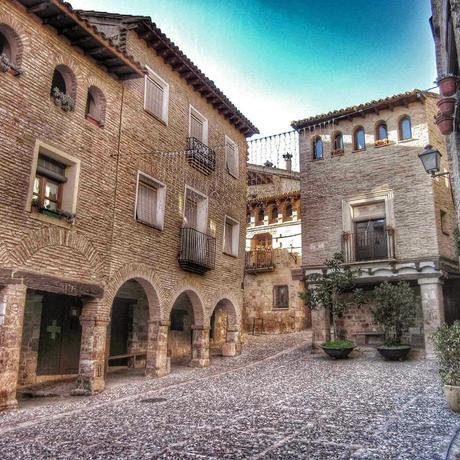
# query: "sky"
280 61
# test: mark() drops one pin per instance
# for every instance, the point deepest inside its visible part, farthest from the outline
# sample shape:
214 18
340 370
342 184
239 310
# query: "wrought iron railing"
197 251
368 245
200 156
259 260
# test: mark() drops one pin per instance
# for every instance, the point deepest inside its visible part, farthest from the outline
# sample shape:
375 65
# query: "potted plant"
445 123
63 100
447 348
447 84
7 66
446 105
327 292
395 312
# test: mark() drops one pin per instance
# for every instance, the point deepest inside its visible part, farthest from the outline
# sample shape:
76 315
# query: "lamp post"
431 161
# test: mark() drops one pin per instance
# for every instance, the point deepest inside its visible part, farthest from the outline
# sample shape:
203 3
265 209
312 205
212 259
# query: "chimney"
288 158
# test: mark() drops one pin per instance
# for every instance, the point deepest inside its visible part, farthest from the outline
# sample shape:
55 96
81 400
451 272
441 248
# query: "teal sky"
284 60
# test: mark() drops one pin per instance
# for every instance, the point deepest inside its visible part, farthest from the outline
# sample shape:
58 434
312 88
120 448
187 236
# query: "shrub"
395 310
447 348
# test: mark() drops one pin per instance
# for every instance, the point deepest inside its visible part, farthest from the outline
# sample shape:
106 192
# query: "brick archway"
232 309
196 301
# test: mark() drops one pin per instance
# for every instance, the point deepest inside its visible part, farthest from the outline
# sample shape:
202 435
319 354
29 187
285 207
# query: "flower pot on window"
446 105
445 123
448 85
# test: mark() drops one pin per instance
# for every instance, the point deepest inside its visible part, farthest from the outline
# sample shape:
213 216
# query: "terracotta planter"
447 105
452 394
445 123
448 85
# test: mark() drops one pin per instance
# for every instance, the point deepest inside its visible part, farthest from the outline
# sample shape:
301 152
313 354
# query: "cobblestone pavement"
276 400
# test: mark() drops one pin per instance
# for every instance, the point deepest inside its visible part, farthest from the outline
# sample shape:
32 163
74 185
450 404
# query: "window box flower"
447 84
57 213
63 100
7 66
446 105
381 142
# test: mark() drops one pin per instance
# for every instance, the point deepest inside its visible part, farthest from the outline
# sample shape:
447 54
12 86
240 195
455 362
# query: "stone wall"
259 314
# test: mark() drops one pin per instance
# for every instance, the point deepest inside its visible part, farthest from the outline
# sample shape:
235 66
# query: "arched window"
10 50
274 214
338 142
405 128
63 88
260 216
381 131
288 211
317 148
359 139
248 218
95 105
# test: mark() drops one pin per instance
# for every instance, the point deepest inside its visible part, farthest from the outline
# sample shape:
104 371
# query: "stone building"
365 193
445 26
123 170
273 249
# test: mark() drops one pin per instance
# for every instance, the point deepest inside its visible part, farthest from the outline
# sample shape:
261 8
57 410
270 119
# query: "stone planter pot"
452 394
445 123
448 85
447 105
337 353
395 353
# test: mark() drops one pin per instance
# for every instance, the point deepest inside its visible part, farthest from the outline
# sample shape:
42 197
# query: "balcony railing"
200 156
259 260
197 251
368 245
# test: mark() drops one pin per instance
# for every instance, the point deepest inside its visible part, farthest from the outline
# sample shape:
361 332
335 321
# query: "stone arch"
195 299
147 279
96 105
232 308
56 236
15 29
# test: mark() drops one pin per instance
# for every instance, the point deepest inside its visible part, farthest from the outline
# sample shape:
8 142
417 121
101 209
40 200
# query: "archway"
224 337
185 336
134 306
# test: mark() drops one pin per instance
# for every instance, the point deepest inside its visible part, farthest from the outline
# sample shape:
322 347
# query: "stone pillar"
233 345
321 326
200 346
91 374
12 303
433 310
158 363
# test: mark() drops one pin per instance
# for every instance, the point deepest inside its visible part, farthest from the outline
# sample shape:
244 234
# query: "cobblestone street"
276 400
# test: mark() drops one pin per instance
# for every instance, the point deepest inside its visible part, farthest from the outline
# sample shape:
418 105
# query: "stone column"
12 303
91 374
200 346
321 326
433 310
233 345
158 363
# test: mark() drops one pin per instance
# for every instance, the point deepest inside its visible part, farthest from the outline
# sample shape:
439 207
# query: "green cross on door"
53 329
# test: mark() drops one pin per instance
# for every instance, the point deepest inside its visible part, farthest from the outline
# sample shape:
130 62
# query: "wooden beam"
39 7
82 41
65 30
96 50
56 17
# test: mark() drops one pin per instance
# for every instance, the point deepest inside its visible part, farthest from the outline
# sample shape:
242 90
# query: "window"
10 48
405 128
248 218
156 96
281 296
371 241
95 105
195 210
54 183
381 131
274 215
338 142
231 236
231 154
150 201
260 216
63 88
359 139
198 126
444 222
5 47
288 212
317 148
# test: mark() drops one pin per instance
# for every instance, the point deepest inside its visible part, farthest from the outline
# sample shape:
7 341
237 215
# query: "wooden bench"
132 362
370 338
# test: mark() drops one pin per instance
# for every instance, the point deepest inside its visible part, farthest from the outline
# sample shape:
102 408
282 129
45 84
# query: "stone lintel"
200 328
430 280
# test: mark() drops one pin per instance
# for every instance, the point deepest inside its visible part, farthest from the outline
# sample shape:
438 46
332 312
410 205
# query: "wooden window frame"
235 236
202 209
161 199
42 190
156 79
193 111
313 145
236 172
355 140
400 128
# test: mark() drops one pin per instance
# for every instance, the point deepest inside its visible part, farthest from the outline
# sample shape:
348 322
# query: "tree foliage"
395 309
446 341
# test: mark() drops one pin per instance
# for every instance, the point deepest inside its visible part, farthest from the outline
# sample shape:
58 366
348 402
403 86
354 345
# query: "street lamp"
431 160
